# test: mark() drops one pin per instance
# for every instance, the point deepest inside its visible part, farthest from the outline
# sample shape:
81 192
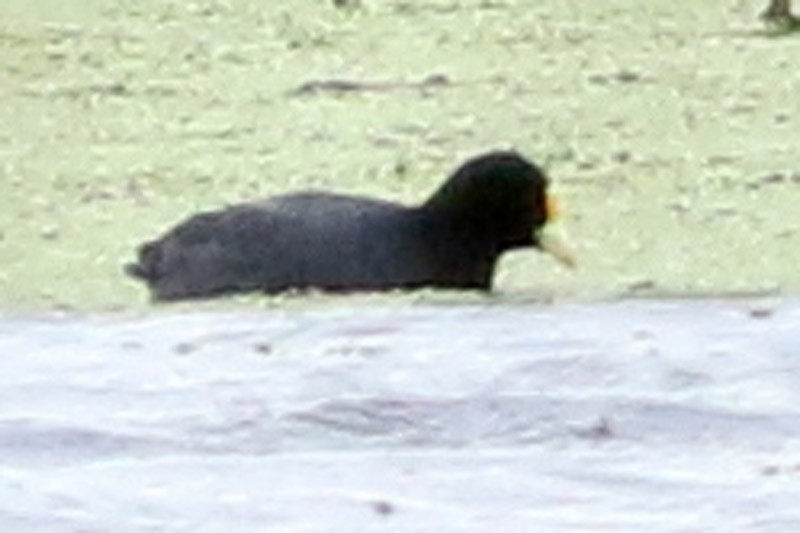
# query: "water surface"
671 415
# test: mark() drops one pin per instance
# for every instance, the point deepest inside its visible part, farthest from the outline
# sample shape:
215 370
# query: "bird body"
345 243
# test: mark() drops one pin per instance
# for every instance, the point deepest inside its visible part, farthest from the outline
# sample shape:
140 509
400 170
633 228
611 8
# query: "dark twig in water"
779 15
339 86
347 4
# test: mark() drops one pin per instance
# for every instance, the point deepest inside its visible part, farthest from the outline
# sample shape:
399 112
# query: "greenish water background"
670 130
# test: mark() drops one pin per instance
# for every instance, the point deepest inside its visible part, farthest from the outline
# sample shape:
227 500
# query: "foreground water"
630 416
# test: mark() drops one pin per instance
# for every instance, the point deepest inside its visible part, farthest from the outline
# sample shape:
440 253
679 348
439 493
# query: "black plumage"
493 203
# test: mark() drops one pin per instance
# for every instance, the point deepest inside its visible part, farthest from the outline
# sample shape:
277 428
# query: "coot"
492 203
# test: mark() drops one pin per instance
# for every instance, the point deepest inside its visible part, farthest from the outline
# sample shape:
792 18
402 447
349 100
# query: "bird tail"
147 266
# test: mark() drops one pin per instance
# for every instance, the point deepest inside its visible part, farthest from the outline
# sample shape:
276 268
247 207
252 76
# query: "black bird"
493 203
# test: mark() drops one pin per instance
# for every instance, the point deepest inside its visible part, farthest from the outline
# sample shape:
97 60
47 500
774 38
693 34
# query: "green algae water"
669 131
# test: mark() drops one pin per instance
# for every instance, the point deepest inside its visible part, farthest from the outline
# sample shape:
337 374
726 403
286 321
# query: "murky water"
677 162
631 416
675 159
